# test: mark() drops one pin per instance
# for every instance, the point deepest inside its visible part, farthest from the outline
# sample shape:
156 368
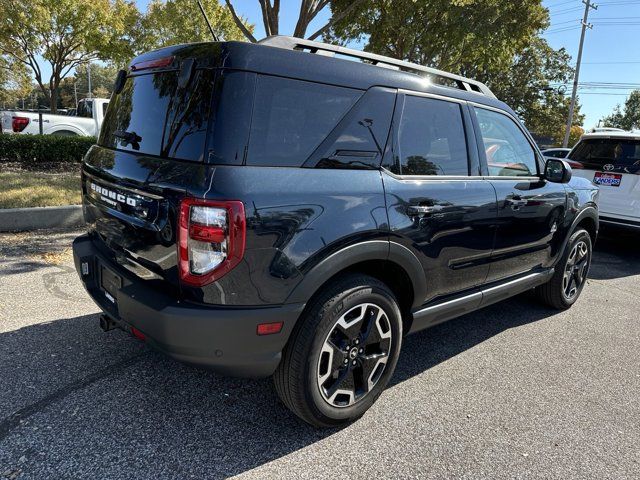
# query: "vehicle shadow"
107 404
615 255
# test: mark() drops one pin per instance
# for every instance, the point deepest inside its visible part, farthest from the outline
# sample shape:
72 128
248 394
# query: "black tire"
298 379
554 293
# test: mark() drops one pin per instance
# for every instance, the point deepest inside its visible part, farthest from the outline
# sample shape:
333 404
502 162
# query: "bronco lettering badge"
111 197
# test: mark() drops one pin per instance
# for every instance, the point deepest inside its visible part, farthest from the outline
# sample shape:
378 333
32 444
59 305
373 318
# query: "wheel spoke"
371 367
343 386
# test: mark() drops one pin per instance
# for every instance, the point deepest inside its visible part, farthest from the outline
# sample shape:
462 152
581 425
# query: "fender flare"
588 211
356 253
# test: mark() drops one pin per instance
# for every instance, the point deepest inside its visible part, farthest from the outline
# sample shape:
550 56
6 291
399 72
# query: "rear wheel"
342 352
570 276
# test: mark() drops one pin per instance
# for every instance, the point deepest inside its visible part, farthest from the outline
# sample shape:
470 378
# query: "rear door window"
595 153
292 117
158 117
431 138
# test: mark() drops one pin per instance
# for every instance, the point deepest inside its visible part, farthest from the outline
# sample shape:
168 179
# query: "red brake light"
157 63
18 124
211 239
574 164
269 328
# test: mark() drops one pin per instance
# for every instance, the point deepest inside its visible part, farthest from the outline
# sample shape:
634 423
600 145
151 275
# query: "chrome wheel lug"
361 350
353 363
357 341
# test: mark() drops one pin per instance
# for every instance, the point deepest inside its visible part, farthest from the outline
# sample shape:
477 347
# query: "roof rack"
325 49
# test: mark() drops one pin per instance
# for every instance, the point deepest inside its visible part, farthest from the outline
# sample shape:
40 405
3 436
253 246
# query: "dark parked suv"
275 209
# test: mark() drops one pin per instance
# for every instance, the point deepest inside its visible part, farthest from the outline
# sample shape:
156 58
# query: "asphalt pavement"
513 391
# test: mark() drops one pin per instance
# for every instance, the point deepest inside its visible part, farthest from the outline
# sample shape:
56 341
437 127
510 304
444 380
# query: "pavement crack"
14 420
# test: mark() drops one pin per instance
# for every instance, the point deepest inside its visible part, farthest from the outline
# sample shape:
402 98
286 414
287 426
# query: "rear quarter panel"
296 217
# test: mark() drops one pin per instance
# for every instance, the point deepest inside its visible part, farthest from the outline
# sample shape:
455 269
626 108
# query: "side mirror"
557 171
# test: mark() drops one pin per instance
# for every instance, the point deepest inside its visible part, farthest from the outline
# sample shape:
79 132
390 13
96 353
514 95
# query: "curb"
23 219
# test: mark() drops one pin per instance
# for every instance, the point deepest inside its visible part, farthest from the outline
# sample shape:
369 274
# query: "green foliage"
66 34
627 117
525 87
179 21
34 151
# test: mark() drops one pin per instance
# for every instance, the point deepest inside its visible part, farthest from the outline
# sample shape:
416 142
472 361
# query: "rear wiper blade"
129 137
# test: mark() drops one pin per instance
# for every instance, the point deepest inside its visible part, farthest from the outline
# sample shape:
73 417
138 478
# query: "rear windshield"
152 116
594 153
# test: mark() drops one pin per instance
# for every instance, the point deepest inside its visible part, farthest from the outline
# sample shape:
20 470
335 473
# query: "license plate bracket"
110 282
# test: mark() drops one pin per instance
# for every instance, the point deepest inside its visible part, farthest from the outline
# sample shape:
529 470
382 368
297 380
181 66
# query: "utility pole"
587 6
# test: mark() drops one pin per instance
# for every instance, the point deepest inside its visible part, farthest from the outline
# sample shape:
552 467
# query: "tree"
15 83
169 23
440 33
627 117
529 86
66 34
309 10
574 135
102 78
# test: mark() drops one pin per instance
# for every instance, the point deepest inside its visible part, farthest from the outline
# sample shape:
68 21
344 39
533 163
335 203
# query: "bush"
36 151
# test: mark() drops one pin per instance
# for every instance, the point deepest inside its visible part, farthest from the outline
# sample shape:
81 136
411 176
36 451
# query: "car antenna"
206 19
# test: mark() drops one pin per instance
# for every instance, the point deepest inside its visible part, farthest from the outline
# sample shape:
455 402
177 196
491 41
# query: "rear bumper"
220 338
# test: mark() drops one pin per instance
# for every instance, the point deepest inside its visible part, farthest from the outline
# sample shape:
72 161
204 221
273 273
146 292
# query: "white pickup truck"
87 120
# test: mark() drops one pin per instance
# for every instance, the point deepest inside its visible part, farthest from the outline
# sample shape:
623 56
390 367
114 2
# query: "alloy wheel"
576 269
354 355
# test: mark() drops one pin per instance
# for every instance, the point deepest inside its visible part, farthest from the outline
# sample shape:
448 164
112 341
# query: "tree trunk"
54 86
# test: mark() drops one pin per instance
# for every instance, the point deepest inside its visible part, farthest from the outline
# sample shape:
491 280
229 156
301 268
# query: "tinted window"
431 138
158 117
85 109
508 151
232 120
359 139
594 153
292 117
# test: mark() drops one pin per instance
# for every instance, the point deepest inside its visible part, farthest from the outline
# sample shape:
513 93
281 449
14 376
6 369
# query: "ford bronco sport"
276 209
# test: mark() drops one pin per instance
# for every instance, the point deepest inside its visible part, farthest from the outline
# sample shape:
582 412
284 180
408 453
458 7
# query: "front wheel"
570 276
342 352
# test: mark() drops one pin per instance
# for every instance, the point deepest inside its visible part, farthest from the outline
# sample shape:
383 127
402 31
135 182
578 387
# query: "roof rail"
325 49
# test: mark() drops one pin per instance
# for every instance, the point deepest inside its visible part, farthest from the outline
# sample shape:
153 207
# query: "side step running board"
441 312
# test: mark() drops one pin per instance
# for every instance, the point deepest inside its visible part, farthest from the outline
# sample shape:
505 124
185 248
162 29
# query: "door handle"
515 201
423 210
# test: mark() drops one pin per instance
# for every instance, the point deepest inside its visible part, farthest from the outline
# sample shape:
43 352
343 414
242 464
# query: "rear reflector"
18 124
138 334
269 328
157 63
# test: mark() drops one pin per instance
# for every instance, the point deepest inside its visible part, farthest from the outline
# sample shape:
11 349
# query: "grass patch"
30 189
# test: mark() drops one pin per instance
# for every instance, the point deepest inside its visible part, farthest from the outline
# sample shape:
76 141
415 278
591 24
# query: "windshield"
154 116
595 153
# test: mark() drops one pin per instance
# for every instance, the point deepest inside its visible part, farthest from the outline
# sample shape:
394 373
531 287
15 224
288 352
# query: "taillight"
575 165
211 239
18 124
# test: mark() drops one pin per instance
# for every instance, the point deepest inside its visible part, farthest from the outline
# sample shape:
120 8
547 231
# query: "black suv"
295 208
